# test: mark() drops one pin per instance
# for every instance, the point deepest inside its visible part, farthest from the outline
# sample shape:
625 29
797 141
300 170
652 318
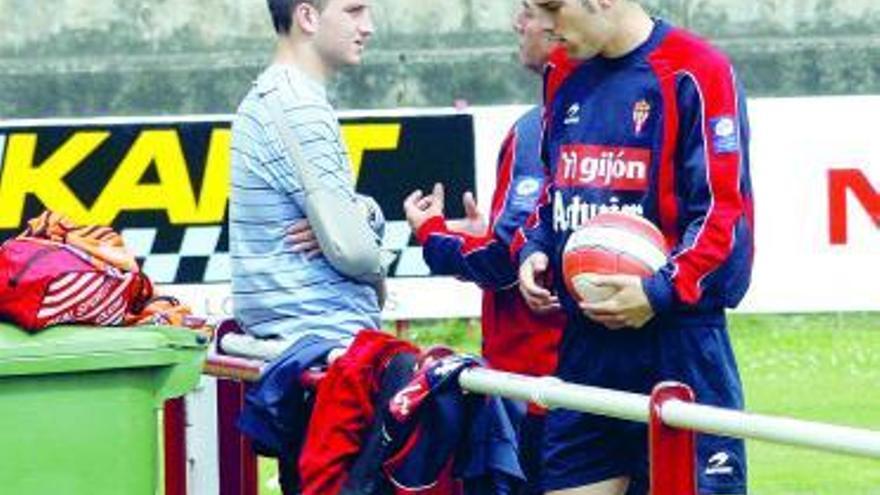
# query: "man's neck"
303 56
634 28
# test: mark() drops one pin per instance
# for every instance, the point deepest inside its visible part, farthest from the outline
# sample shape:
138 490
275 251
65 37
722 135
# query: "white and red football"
611 243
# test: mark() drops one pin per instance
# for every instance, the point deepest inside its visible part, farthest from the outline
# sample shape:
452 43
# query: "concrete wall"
149 57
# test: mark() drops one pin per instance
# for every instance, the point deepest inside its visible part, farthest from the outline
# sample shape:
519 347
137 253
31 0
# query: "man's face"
534 42
581 25
345 26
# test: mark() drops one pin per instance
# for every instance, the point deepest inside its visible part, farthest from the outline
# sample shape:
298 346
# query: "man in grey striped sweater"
282 286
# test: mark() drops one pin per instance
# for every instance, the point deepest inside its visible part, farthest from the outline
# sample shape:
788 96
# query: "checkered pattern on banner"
200 254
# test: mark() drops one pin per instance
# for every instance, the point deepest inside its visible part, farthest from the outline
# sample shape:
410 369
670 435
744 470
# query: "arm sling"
337 220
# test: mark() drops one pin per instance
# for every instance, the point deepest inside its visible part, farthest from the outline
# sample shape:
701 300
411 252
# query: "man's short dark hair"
282 12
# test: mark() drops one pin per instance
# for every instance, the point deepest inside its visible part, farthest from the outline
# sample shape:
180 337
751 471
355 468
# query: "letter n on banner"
839 182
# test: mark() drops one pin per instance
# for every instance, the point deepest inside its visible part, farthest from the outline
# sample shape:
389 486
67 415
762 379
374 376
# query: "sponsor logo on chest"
573 212
605 167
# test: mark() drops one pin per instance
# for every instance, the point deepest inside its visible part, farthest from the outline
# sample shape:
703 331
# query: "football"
611 243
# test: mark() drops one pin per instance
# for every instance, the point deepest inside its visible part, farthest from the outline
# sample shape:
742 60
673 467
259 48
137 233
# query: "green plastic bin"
79 406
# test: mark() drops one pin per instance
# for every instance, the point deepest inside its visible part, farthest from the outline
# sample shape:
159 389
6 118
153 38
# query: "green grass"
819 367
823 367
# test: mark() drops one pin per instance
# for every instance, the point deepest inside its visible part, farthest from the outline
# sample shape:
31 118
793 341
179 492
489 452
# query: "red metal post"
238 463
673 470
249 461
174 430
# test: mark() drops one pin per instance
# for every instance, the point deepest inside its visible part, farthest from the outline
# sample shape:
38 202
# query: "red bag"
45 283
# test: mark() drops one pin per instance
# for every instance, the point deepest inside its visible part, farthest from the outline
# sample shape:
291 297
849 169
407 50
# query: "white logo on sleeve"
528 186
724 127
718 464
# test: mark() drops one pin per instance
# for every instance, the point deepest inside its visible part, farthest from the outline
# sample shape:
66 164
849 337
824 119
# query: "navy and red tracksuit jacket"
514 338
431 420
661 132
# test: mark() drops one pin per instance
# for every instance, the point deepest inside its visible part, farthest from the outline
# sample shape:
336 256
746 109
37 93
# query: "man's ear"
306 17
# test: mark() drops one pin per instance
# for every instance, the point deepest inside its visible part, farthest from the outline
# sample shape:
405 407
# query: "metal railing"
670 411
676 413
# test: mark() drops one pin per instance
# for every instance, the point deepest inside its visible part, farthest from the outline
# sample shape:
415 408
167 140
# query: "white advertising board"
816 175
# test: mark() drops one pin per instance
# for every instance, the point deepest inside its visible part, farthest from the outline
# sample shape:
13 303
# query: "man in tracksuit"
653 123
515 338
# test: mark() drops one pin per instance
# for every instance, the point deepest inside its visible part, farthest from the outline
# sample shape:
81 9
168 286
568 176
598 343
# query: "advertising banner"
164 183
816 175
